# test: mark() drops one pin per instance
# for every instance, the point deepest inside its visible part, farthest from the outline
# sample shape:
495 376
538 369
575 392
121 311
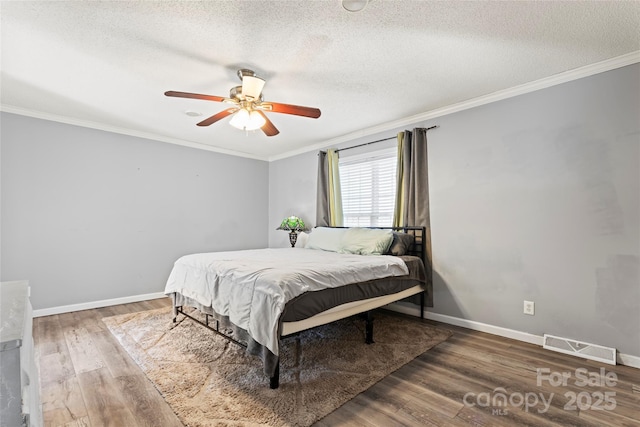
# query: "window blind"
368 184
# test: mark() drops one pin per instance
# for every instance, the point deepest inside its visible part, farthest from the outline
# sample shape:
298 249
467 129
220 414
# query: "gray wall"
532 198
293 194
90 215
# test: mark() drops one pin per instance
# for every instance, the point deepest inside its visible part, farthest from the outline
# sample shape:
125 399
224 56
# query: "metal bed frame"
416 249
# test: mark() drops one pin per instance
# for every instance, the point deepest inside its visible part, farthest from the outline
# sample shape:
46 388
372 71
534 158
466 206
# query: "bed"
256 297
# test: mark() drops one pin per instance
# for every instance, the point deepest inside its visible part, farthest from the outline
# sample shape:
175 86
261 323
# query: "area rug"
208 381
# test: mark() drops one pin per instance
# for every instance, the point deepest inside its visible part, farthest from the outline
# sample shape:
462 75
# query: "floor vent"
580 349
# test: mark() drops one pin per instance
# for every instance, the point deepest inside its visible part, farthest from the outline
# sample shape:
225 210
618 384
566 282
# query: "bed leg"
422 304
274 381
175 313
368 334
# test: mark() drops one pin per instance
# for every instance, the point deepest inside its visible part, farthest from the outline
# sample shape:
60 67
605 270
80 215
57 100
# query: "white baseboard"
622 359
469 324
96 304
628 360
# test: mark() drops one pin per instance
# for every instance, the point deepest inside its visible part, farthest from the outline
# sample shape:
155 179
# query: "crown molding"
100 126
564 77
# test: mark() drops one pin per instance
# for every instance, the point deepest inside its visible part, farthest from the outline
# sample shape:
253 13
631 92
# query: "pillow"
302 239
366 241
400 244
326 239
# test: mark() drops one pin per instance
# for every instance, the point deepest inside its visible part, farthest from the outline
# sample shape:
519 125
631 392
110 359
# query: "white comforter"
252 287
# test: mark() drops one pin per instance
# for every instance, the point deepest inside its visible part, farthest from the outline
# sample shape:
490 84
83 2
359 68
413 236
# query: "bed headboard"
418 246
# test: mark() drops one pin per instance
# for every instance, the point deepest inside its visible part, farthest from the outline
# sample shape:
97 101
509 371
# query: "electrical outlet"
529 307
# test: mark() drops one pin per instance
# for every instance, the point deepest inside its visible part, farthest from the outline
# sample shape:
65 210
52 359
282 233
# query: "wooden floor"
87 379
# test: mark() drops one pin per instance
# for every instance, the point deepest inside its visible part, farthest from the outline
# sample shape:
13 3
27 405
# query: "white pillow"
302 239
326 239
366 241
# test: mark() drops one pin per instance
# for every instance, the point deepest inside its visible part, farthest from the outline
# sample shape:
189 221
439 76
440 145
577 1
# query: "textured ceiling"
108 64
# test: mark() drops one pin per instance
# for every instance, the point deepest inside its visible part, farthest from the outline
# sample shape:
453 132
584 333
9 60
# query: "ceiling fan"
248 105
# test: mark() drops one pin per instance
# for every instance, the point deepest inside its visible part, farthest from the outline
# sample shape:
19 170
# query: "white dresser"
19 385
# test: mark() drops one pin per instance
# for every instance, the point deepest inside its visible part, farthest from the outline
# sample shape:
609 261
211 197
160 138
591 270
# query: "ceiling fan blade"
195 96
296 110
221 115
268 127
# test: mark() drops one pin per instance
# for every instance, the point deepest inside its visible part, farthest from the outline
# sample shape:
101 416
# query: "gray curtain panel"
322 195
413 182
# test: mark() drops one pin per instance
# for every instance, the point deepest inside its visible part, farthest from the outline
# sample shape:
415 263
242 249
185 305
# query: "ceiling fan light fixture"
247 120
256 120
252 86
240 119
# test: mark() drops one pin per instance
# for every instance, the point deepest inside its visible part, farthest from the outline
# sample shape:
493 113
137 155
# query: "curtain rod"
373 142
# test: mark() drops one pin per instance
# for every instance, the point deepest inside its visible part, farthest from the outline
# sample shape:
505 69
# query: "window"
368 184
